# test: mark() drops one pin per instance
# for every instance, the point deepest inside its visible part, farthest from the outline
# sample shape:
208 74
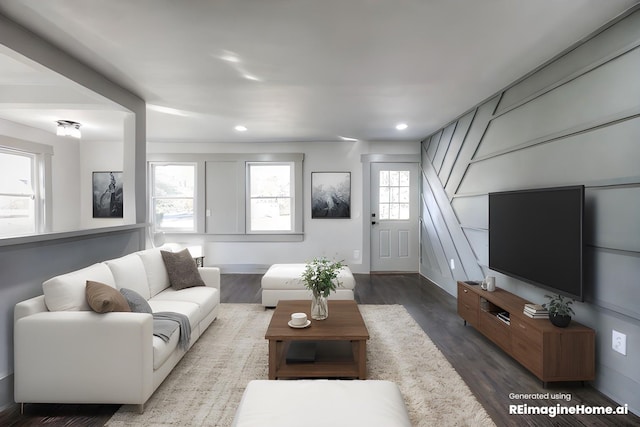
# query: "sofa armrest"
28 307
83 357
210 276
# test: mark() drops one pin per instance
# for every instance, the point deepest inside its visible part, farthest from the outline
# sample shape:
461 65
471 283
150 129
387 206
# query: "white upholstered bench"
323 403
284 282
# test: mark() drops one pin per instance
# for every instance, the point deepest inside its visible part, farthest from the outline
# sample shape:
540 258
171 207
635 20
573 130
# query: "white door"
394 217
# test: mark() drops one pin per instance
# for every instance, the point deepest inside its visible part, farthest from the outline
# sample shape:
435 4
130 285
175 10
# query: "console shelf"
550 353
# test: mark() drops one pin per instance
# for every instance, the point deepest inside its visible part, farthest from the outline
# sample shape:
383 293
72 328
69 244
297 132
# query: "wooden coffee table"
343 327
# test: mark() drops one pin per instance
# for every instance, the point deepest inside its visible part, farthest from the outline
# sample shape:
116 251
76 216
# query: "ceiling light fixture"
402 126
68 128
347 138
241 128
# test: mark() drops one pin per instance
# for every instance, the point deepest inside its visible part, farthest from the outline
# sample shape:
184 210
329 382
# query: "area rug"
205 388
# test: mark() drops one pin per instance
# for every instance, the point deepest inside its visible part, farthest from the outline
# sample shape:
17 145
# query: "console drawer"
526 345
529 355
494 329
468 305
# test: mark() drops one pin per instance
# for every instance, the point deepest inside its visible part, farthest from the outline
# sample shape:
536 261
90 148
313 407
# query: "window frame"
232 184
40 159
248 197
153 197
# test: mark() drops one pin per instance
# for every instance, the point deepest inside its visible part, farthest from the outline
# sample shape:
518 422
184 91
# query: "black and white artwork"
107 195
330 194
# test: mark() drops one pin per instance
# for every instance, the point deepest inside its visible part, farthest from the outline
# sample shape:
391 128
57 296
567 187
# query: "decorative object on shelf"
560 310
330 194
320 276
535 311
107 195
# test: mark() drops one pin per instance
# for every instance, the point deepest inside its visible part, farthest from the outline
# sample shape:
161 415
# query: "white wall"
334 238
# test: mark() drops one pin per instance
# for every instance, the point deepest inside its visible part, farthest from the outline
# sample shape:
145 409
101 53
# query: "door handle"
373 223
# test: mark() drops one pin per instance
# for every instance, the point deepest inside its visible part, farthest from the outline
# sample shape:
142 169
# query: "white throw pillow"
67 292
129 272
156 270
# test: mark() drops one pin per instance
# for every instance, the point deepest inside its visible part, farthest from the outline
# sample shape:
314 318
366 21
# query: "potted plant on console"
320 276
560 310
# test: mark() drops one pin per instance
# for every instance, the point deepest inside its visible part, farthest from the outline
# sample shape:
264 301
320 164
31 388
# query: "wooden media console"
550 353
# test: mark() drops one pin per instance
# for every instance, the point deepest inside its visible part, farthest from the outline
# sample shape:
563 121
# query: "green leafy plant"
559 306
320 276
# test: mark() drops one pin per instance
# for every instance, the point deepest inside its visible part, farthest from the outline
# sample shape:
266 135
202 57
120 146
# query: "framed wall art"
107 195
330 194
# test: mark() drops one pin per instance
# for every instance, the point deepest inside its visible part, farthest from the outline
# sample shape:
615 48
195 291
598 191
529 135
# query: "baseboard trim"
6 392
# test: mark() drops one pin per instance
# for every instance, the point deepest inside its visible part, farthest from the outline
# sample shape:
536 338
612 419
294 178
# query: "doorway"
394 217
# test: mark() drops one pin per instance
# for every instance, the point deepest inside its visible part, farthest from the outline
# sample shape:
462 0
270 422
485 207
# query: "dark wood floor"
490 374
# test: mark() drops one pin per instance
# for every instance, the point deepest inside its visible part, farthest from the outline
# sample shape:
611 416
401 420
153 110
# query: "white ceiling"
288 70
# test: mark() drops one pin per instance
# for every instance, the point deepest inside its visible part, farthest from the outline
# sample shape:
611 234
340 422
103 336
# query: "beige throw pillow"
181 269
104 299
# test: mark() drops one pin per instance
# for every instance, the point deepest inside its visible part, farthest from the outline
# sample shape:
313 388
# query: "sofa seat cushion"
205 297
289 276
68 291
162 350
189 309
129 272
156 270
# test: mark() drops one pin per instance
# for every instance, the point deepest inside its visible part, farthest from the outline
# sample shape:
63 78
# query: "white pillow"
67 292
129 272
156 271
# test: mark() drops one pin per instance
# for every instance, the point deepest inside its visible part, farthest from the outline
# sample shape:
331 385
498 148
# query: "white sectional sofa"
67 353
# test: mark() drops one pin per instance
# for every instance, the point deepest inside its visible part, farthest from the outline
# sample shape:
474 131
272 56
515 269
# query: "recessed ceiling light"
241 128
402 126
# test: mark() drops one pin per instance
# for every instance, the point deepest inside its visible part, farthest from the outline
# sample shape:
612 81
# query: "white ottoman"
284 282
323 403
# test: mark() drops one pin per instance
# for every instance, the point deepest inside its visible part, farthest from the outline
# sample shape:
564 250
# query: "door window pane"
394 195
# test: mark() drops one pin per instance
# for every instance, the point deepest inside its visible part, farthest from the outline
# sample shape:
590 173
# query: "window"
270 197
19 209
241 197
173 196
394 195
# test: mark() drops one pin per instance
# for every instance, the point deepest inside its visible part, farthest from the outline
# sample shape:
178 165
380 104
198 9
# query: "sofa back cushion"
67 292
156 270
128 272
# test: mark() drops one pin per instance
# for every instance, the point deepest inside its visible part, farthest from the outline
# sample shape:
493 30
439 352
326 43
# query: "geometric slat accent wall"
575 120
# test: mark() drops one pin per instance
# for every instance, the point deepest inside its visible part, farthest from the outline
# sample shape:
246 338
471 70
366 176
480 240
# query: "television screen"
537 236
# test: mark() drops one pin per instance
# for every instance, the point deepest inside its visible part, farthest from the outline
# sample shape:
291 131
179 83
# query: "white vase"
319 307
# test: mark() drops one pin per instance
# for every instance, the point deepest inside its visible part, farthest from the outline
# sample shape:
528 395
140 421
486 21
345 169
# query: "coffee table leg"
273 359
359 350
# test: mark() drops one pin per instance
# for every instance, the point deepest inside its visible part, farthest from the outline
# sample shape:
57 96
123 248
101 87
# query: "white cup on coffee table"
298 319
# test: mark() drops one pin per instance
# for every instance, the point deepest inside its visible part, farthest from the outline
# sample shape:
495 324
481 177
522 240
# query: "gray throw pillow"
181 269
136 302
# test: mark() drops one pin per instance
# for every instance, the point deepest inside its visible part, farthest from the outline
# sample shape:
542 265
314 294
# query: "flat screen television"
537 236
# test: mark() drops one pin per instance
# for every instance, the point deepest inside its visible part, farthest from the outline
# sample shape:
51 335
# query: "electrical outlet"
619 342
356 254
